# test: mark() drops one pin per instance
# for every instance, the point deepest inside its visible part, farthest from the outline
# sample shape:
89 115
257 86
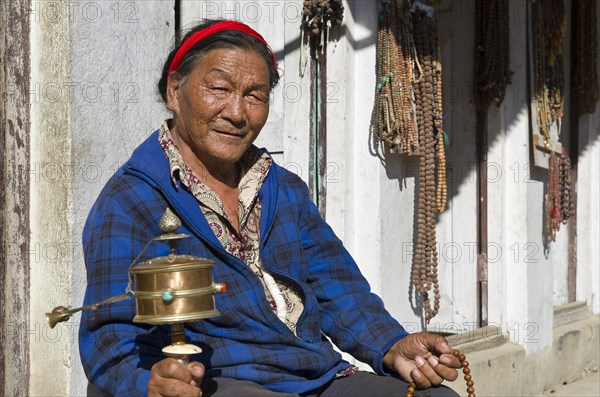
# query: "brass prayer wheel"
169 289
174 288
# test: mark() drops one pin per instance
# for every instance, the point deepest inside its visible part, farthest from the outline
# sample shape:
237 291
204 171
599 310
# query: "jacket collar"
150 163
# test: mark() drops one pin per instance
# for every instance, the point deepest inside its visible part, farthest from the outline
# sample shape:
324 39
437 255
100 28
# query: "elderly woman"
291 283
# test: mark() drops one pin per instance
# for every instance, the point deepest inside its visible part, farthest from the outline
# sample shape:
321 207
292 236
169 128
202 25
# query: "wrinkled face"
222 105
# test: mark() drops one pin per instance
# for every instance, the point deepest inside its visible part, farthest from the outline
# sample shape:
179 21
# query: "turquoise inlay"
167 296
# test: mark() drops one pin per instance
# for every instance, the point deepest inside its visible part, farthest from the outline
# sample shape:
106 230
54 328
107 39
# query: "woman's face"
222 105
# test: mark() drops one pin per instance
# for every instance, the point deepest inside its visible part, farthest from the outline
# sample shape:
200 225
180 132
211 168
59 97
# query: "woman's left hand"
423 358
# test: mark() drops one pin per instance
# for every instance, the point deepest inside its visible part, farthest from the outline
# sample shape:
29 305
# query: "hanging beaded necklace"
408 116
442 139
559 203
428 110
393 113
492 52
585 57
318 17
567 208
549 19
466 372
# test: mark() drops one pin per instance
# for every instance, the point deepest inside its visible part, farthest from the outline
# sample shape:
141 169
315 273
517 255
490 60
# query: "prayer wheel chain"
412 387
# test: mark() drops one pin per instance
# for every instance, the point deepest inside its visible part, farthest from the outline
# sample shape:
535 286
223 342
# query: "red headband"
218 27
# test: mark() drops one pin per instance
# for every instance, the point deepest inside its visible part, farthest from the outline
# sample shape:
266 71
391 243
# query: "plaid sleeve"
116 353
351 315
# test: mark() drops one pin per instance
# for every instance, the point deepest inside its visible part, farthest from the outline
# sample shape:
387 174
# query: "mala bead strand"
550 218
550 21
382 67
559 203
431 265
566 202
430 141
412 387
393 112
420 257
441 193
555 198
412 66
541 93
383 62
492 52
395 100
318 16
406 53
466 372
381 110
426 259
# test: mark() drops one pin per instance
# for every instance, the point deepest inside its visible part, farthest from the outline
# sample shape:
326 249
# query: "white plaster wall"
295 96
588 208
498 279
522 305
540 278
340 76
117 51
50 173
362 233
457 226
588 213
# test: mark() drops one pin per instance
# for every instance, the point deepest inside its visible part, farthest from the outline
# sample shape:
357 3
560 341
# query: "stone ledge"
478 339
506 370
571 312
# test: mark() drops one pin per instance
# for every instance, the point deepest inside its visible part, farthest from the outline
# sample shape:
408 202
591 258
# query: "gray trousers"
361 384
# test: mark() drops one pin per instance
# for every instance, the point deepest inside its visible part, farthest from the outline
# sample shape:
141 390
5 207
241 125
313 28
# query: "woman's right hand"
169 378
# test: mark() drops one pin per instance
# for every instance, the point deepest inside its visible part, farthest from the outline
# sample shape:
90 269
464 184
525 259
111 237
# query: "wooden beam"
318 127
482 220
574 156
322 133
14 197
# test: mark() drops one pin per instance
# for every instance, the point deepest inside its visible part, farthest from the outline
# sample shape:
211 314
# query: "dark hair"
223 39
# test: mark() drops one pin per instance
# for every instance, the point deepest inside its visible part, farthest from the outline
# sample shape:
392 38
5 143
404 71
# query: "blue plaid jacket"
247 341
